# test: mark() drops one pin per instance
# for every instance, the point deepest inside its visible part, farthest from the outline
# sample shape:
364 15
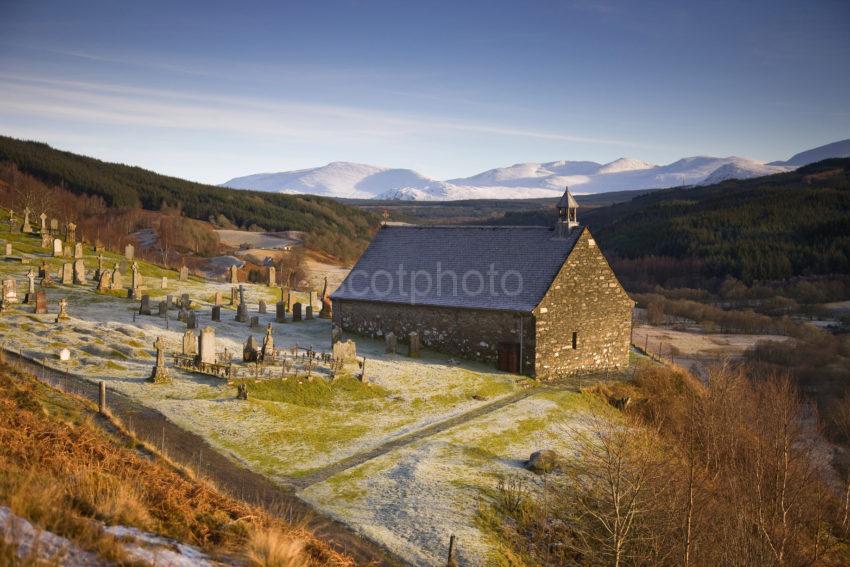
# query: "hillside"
335 228
768 228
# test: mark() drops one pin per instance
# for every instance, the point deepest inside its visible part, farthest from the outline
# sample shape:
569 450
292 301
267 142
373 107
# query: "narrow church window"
575 340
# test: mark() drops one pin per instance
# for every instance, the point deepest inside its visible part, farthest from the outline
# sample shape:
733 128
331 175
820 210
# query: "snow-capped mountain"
523 180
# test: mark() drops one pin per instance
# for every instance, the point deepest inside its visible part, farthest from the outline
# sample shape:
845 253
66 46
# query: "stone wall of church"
466 333
586 301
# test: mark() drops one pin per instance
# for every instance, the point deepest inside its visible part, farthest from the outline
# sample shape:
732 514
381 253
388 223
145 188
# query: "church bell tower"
567 214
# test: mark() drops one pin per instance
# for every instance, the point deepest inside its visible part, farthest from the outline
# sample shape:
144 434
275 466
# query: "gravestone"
391 343
105 281
65 355
218 298
234 296
163 308
183 315
71 232
326 312
31 281
308 312
117 278
414 347
54 226
267 351
145 305
129 252
26 228
78 250
345 351
255 322
136 281
8 249
57 248
234 275
184 273
192 320
45 240
251 350
66 252
43 218
40 303
67 273
280 312
99 269
159 374
190 344
216 313
206 346
272 281
10 291
262 307
185 301
163 284
296 311
242 309
169 301
79 272
63 311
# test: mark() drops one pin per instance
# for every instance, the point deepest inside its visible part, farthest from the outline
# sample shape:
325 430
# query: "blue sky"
213 90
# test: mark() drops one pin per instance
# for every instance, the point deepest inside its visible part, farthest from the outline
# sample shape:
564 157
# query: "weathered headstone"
280 312
9 250
66 252
185 301
218 298
216 313
163 283
251 350
40 303
206 346
71 230
117 278
67 273
105 281
159 374
79 272
136 281
192 320
234 274
242 310
308 312
63 311
268 344
262 308
190 344
78 250
345 351
162 309
54 226
31 281
145 305
129 252
184 273
45 240
296 311
57 248
255 322
414 347
234 296
391 342
272 281
43 218
10 291
326 312
26 228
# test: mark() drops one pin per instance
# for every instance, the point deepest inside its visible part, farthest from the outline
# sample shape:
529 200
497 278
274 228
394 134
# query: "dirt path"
193 451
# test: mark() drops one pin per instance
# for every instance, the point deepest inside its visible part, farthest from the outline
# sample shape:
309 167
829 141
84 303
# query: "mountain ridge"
340 179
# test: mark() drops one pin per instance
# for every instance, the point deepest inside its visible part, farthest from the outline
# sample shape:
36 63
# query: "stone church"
541 301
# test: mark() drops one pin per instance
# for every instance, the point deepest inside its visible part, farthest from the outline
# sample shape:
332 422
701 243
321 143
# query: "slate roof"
523 260
567 201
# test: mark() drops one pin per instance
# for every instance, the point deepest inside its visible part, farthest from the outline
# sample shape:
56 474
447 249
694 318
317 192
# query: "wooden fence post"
451 560
101 401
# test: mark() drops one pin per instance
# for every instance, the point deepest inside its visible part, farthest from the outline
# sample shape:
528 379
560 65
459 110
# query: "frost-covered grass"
412 499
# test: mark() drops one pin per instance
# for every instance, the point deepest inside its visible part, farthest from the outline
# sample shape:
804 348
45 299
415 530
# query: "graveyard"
353 430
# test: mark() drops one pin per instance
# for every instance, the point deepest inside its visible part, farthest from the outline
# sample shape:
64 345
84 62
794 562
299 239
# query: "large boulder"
543 461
